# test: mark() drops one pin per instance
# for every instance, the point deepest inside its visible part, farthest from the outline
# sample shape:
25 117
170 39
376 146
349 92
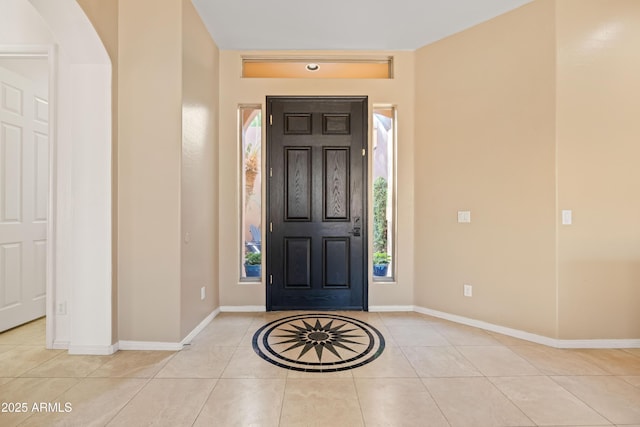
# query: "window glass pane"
383 197
251 179
317 68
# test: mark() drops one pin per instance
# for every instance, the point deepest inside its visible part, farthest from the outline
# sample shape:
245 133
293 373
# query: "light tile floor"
432 373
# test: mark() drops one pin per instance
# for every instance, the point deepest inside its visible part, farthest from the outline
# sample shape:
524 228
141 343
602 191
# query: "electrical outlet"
61 308
202 293
464 216
467 290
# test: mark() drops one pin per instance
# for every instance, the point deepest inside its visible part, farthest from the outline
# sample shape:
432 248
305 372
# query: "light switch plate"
467 290
567 217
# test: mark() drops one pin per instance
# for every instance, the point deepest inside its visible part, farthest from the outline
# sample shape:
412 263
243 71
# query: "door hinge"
364 152
270 172
271 279
270 119
271 227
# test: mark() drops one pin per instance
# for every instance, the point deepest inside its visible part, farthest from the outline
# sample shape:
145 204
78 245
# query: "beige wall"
235 91
512 128
598 172
517 129
199 186
149 135
485 142
103 14
165 120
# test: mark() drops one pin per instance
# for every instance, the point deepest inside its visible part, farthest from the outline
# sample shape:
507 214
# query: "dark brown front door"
316 241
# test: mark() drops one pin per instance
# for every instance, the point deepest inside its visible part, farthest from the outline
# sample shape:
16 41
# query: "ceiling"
342 24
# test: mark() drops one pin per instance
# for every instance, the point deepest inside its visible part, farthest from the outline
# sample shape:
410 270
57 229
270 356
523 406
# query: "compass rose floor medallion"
318 342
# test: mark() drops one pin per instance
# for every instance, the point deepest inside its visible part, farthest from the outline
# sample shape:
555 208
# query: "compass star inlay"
338 342
320 337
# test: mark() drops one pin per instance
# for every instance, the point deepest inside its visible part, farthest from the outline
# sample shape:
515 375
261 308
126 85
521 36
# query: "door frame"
365 192
48 52
82 221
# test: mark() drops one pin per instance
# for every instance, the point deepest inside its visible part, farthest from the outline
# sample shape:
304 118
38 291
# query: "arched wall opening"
79 257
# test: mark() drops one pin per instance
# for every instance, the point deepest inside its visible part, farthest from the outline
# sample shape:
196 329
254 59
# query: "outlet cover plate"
464 217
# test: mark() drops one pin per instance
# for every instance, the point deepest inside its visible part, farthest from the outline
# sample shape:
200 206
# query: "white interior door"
24 185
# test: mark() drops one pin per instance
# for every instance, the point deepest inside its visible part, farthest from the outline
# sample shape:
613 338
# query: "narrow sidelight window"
251 191
384 142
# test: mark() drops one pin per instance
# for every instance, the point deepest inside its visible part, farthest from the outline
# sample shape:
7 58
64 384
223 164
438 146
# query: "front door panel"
316 257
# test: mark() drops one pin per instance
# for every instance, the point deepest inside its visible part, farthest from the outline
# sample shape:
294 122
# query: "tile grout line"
515 405
114 356
284 394
577 397
204 402
355 386
152 377
128 401
434 400
23 375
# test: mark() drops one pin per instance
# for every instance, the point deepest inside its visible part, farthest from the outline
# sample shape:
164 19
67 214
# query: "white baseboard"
389 308
93 350
200 327
168 346
149 345
527 336
604 343
242 308
60 345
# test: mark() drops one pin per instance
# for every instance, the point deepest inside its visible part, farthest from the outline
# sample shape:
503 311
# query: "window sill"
250 281
384 280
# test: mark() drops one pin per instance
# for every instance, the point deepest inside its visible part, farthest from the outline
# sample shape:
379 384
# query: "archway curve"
81 211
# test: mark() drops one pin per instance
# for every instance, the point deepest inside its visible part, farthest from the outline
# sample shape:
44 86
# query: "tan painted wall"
485 142
477 131
199 186
149 135
165 117
235 91
598 172
104 17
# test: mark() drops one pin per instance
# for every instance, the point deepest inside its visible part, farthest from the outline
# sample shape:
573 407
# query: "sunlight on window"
251 181
383 189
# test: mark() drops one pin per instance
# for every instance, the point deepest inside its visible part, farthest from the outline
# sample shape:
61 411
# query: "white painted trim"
527 336
51 283
187 340
9 51
168 346
149 345
604 343
389 308
93 350
48 52
242 308
60 345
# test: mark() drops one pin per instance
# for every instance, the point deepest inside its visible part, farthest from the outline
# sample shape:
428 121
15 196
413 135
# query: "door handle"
356 227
